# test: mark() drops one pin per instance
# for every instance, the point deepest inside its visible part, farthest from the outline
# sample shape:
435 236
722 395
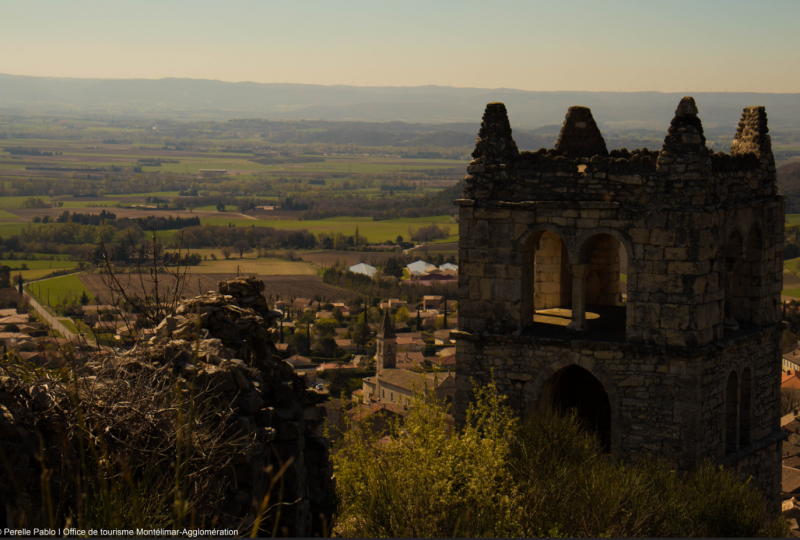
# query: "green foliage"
546 477
402 315
424 483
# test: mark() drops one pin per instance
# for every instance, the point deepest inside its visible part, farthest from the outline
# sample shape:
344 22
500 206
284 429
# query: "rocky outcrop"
217 350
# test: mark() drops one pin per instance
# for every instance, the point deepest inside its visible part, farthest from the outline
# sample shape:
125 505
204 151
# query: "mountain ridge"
214 99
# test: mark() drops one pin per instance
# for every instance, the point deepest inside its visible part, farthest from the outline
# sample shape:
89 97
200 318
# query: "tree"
361 333
299 340
226 252
399 239
402 315
11 328
84 298
156 288
242 247
790 400
393 268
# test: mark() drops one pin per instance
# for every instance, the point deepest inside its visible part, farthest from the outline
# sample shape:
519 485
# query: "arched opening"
744 408
546 280
733 260
574 388
731 414
605 305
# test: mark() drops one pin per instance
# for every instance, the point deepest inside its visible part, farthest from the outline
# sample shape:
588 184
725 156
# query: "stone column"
579 272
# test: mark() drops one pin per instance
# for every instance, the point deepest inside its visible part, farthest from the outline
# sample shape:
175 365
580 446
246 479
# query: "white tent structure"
449 266
363 268
420 267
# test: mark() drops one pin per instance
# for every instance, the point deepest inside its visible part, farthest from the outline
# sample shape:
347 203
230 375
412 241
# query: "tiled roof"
410 357
409 380
332 365
298 360
410 341
360 412
790 479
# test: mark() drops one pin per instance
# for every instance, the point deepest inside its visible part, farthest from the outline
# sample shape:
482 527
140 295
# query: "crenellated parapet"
683 172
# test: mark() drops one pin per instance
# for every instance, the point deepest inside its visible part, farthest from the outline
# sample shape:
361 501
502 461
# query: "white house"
363 268
420 267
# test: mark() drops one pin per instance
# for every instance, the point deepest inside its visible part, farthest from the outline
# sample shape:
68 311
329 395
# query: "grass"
12 228
374 231
37 265
792 219
69 325
792 265
15 202
795 293
31 275
59 290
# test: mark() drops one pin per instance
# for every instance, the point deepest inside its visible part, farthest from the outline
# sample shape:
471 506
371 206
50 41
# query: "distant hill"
206 99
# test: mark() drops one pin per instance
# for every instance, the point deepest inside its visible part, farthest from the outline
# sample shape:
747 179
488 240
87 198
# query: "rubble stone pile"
217 349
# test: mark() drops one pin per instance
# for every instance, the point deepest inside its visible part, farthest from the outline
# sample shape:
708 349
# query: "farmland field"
59 289
374 231
261 267
324 259
277 287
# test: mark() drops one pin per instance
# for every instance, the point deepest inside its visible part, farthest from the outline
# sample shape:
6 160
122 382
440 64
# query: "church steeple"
386 357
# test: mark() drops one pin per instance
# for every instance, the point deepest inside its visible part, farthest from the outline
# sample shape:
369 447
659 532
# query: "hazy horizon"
616 46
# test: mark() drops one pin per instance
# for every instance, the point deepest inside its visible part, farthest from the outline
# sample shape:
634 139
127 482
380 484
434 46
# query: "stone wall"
254 403
665 401
703 234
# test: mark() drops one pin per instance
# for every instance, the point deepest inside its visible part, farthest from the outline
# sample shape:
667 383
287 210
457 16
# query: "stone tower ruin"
685 364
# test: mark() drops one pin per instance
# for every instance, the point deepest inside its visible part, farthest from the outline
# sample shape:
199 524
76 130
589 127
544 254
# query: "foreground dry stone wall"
255 416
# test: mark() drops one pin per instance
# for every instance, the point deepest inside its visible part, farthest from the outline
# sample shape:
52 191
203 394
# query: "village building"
395 385
363 268
419 267
305 366
432 302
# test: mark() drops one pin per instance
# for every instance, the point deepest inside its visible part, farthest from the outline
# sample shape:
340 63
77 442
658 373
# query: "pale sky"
589 45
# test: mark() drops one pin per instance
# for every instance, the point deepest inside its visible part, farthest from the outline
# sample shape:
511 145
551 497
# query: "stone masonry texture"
691 366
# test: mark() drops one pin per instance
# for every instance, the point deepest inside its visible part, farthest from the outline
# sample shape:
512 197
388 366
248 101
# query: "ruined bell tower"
641 288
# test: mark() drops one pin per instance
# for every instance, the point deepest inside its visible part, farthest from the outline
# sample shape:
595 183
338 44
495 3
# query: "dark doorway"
575 388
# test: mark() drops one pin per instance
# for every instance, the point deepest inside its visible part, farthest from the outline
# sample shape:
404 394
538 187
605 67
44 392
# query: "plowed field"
283 287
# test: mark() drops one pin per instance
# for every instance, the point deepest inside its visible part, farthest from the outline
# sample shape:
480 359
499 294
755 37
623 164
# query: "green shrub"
424 483
544 477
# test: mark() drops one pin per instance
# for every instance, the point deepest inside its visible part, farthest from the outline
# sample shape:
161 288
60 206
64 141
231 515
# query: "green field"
792 265
58 290
10 229
791 292
374 231
38 265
